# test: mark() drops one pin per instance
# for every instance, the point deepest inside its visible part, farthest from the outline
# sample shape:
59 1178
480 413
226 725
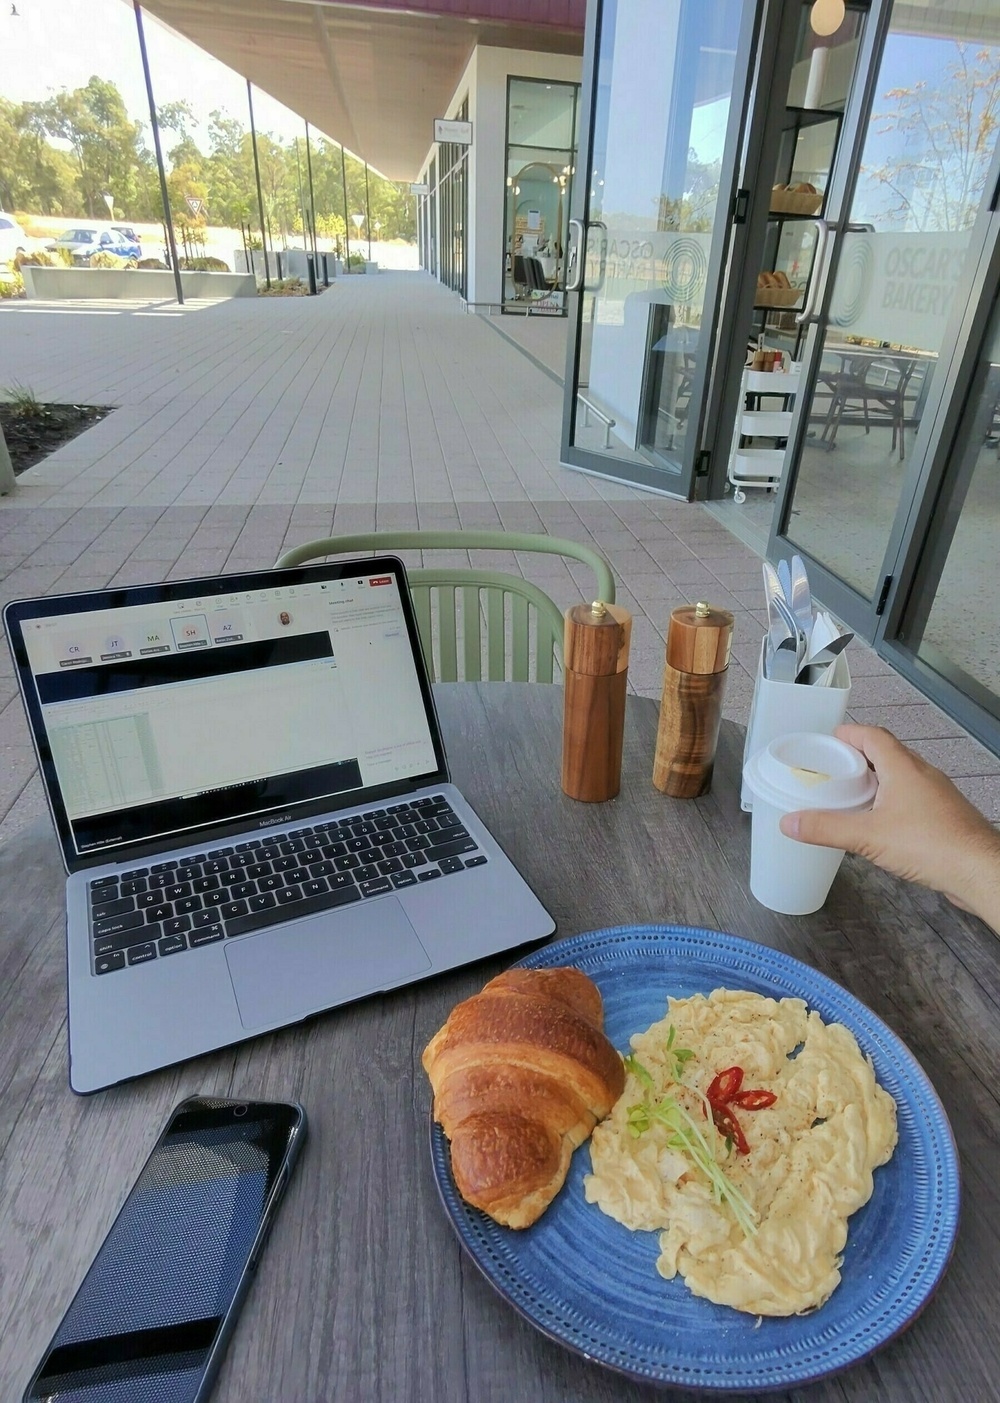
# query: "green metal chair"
451 604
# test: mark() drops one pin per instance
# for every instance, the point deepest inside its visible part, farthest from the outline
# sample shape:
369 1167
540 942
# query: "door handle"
576 282
576 257
818 269
599 224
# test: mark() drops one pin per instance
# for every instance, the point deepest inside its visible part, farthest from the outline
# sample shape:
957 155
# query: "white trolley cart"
765 412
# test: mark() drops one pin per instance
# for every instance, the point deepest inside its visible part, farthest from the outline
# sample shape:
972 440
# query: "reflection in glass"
541 163
927 152
662 104
951 617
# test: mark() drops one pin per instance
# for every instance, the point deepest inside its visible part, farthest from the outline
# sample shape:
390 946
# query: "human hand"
920 827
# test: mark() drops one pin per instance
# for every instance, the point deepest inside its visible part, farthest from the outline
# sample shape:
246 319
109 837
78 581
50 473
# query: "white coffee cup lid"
805 770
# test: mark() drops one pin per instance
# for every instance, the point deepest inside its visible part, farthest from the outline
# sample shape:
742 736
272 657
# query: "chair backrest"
536 274
452 604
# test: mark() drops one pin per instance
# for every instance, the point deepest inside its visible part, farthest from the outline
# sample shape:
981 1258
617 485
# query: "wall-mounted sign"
460 133
421 188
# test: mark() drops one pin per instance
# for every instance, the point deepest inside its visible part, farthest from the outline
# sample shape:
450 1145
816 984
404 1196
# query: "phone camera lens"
241 1109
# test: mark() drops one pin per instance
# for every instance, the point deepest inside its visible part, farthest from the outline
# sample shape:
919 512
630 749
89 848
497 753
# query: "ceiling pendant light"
826 16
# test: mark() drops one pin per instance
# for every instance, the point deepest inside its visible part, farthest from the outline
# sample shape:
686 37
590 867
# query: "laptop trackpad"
286 974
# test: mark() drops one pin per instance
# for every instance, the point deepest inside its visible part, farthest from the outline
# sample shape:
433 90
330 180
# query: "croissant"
522 1072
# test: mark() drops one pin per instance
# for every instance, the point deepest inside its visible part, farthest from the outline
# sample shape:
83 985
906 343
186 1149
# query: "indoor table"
364 1292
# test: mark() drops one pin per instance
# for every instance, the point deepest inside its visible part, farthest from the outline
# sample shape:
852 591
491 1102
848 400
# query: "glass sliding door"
947 630
652 220
541 164
899 263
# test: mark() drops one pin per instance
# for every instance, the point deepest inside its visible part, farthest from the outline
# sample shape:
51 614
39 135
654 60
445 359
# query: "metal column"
164 196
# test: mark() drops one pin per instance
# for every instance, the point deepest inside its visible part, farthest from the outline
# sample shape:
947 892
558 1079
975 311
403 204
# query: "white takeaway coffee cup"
800 771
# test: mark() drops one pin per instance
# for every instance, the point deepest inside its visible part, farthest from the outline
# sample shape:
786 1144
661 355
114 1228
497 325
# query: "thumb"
829 828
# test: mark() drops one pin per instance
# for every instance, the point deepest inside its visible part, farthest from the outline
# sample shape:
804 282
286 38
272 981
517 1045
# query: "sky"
53 44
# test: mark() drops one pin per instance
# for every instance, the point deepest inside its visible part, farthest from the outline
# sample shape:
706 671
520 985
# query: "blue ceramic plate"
592 1285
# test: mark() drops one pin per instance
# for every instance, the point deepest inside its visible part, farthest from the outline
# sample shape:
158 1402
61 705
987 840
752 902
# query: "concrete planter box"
285 263
57 284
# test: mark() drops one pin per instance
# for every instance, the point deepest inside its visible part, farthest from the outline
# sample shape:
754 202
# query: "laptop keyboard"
148 913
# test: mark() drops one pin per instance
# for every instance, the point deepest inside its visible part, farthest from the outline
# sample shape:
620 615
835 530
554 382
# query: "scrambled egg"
810 1161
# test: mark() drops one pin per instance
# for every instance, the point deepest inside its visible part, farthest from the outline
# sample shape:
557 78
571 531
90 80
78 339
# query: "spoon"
801 597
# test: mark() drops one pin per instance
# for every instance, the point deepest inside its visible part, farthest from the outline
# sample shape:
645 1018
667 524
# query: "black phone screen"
147 1324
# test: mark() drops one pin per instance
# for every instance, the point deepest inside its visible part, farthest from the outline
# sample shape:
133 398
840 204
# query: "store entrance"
650 233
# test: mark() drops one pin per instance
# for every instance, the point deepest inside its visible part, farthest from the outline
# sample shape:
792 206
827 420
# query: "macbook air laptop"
249 784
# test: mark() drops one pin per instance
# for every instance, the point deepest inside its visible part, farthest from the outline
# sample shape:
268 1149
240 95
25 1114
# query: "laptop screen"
240 700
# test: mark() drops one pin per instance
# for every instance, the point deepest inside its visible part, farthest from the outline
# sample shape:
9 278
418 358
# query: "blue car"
87 239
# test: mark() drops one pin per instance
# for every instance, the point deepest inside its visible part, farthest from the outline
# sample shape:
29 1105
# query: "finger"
827 828
878 746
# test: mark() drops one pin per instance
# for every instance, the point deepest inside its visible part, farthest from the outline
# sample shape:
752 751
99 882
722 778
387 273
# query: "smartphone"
154 1313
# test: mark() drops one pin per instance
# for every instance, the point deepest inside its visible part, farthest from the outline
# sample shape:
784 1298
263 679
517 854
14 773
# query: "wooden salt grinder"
699 640
595 662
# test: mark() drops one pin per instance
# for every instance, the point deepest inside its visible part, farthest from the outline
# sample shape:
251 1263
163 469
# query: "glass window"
663 94
541 163
950 621
453 196
927 151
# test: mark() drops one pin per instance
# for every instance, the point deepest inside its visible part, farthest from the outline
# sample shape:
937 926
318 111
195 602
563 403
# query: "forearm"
979 889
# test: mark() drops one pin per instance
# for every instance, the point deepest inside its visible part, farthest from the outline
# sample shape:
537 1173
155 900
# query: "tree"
99 150
110 152
33 175
944 136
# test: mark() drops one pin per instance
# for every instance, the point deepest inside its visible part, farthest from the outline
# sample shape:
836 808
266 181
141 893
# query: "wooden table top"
364 1292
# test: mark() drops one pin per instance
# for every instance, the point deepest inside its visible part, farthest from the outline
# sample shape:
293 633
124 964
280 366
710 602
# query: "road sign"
194 204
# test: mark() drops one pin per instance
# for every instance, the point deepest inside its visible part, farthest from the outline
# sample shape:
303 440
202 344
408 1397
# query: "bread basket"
794 202
777 296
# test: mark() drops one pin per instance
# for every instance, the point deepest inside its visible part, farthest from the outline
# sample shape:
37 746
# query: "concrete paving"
248 426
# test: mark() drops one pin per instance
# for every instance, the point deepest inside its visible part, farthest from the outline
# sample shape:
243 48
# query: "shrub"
22 400
151 263
37 260
355 260
11 287
285 287
204 265
107 260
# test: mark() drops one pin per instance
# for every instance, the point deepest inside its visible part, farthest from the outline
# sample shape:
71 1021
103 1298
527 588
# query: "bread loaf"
522 1072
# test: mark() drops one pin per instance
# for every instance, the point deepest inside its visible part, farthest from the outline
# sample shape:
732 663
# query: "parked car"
127 232
87 239
13 239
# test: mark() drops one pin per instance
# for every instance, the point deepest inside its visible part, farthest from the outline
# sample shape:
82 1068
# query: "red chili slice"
727 1124
725 1086
753 1100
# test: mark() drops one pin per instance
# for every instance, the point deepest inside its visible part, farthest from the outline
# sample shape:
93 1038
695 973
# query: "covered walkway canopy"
369 73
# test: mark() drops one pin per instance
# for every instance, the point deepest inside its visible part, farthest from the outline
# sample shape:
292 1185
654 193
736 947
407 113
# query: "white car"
13 239
87 239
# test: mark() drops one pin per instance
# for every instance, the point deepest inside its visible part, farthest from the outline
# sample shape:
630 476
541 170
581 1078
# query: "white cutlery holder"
781 707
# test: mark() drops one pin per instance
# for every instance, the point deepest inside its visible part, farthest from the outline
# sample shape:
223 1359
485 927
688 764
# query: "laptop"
248 780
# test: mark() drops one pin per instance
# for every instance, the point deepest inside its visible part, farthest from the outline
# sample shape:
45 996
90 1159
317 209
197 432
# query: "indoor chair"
452 604
880 386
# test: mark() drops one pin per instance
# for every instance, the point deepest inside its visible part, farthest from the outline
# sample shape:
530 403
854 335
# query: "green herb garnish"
633 1065
686 1135
676 1057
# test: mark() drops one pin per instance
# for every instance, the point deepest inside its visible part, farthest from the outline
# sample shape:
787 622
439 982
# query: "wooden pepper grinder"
595 661
699 641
